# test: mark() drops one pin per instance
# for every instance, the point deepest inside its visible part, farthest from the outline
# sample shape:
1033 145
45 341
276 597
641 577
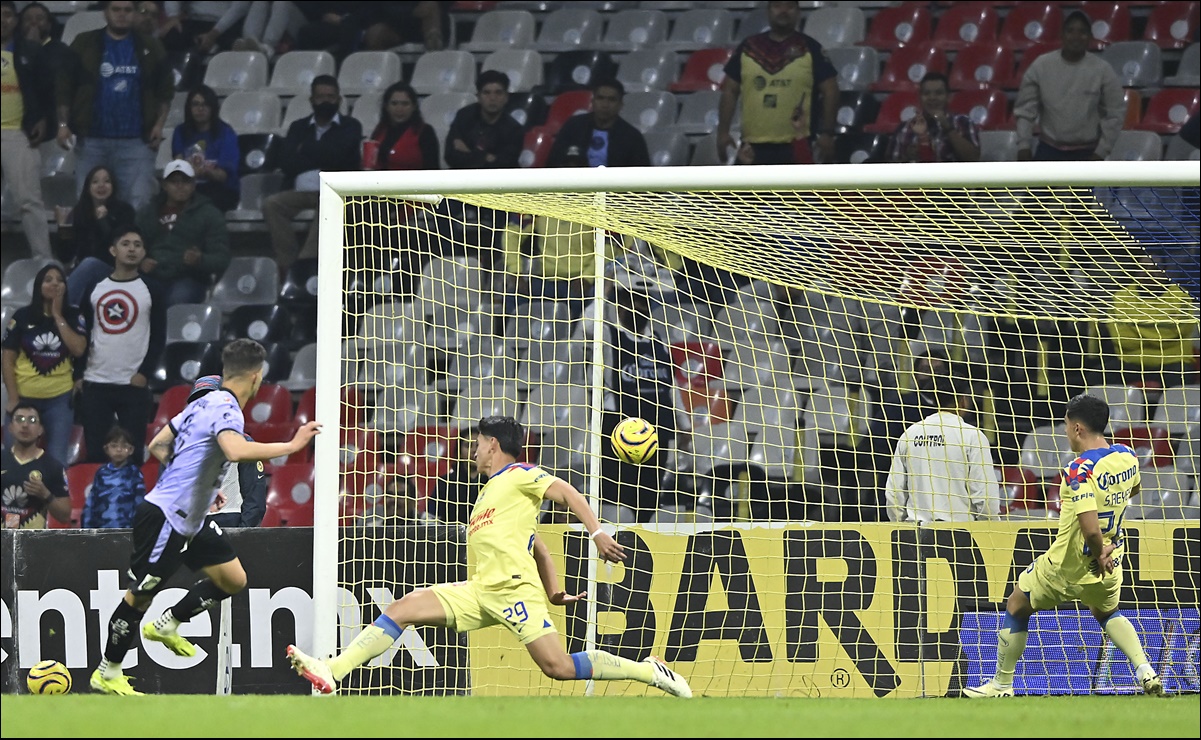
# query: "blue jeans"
57 419
131 162
89 271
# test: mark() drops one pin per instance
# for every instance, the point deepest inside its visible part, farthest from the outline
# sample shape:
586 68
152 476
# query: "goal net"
782 328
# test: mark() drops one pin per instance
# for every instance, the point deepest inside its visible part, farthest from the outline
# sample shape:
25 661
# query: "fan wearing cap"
638 382
187 242
170 528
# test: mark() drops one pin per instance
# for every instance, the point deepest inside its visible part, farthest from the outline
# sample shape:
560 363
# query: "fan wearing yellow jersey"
1085 561
513 582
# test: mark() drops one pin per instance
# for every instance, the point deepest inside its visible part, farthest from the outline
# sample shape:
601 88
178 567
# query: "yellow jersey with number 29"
1100 480
500 533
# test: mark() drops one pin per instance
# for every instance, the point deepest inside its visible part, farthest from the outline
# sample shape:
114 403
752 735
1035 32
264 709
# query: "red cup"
370 154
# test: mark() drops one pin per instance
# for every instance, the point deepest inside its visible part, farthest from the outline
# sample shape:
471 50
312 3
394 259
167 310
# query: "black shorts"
158 550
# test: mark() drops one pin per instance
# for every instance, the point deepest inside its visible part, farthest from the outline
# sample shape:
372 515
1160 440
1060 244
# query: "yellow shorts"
1048 589
521 608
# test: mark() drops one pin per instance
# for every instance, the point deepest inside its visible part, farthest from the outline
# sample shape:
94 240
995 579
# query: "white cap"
178 165
639 274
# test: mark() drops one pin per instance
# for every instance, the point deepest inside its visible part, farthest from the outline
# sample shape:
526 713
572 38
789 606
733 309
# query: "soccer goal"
782 327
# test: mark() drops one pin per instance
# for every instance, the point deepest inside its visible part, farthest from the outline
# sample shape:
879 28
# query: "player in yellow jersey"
1085 561
514 579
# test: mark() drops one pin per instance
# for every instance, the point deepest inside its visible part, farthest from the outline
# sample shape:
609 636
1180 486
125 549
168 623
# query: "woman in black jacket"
86 231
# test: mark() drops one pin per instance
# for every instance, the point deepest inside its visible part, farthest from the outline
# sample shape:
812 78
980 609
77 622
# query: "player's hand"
138 380
559 598
218 503
609 549
305 434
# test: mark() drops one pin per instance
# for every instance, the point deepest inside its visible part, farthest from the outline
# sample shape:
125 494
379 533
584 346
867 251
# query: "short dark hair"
506 430
1078 16
118 434
242 356
128 229
1090 411
612 82
325 81
935 77
25 404
490 76
946 393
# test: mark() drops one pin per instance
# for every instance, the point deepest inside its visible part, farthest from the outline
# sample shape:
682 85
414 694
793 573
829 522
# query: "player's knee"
561 669
231 581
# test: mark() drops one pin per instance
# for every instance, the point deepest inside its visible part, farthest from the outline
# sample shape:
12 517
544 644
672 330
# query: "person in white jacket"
942 469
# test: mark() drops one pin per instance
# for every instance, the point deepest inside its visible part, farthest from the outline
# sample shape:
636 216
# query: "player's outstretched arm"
550 577
562 492
238 449
162 444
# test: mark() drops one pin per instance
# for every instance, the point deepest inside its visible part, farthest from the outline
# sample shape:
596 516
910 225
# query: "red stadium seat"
964 24
170 403
79 483
697 363
988 109
306 408
536 148
909 24
1111 21
1028 56
1019 490
980 67
1152 445
272 404
907 65
565 105
1030 23
77 449
290 497
1169 108
704 70
897 107
1172 25
432 451
150 471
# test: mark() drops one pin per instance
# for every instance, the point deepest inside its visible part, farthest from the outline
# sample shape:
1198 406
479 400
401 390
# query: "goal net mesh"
781 342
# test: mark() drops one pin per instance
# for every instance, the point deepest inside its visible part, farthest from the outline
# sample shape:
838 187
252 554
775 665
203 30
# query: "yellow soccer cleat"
668 680
316 671
174 642
118 686
988 690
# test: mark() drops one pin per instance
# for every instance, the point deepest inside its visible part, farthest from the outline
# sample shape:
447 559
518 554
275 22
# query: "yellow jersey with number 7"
1100 480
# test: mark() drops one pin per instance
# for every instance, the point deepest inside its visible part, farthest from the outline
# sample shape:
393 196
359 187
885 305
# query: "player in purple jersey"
169 527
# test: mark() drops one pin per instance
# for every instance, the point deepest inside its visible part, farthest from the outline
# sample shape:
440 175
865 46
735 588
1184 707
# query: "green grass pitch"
84 715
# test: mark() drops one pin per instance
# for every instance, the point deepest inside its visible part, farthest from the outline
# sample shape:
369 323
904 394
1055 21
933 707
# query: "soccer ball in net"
48 677
635 440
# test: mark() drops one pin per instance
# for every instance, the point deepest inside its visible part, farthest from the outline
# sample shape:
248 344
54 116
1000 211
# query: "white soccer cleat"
316 671
988 690
1152 685
668 680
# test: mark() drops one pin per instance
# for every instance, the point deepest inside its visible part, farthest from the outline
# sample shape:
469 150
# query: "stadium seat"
981 67
439 110
1179 411
306 410
476 359
855 110
738 324
1133 101
704 151
56 160
293 71
251 112
523 66
183 362
1188 73
1030 23
650 110
150 473
897 108
193 322
648 69
842 25
433 450
1020 491
1138 63
699 28
501 29
703 70
1127 404
1172 25
907 65
575 70
255 189
988 109
1164 494
247 280
667 147
570 29
171 402
298 107
485 398
444 71
1151 444
368 71
290 496
264 323
79 484
529 109
566 105
273 403
1045 451
16 288
1169 109
450 281
964 24
836 414
633 29
545 320
1111 21
77 448
536 147
80 21
698 112
230 71
258 153
896 26
861 148
857 66
1028 56
1137 146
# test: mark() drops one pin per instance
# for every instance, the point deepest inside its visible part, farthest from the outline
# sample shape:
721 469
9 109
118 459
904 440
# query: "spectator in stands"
482 136
86 231
267 24
117 488
41 344
600 137
326 140
206 27
396 504
24 124
942 469
640 382
39 26
210 145
786 71
390 24
402 140
1073 96
331 26
187 242
242 501
1151 326
117 118
934 135
33 482
126 321
454 494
